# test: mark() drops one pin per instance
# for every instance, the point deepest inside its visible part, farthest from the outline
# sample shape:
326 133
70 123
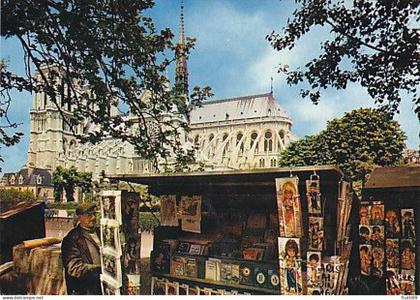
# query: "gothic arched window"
268 141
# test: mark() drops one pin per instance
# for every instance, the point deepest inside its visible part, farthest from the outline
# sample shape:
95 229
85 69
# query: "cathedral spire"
181 77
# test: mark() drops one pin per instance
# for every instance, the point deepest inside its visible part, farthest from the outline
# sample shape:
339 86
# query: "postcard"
408 223
313 196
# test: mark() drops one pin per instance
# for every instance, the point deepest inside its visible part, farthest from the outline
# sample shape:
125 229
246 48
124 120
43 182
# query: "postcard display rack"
120 243
387 241
249 251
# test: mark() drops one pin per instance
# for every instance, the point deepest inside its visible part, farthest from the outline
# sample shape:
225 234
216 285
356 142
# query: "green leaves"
376 39
113 50
357 142
66 179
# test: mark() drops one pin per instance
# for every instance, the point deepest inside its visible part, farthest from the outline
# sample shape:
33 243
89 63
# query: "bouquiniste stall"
271 231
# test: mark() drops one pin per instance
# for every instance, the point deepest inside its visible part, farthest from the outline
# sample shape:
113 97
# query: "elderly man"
80 251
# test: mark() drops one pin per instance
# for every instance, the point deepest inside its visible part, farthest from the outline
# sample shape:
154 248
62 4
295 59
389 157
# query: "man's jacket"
82 276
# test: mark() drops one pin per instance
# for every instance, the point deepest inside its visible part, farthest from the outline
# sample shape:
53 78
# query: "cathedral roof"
241 108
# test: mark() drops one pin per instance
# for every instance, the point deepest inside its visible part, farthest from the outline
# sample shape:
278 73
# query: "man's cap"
85 207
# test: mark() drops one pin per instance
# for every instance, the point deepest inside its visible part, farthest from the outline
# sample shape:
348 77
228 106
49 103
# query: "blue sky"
233 57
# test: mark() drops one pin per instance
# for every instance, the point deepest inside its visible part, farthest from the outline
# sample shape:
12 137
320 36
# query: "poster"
392 282
408 223
330 275
130 203
408 257
392 223
111 206
131 257
392 252
158 286
364 234
378 256
290 266
168 210
133 284
407 282
316 233
110 235
111 265
377 214
190 213
290 220
377 237
313 196
365 254
314 272
364 213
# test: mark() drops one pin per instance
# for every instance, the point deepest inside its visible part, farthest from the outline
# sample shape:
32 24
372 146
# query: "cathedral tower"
181 77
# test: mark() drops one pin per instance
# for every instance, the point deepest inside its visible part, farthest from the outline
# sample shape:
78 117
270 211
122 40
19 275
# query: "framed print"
365 254
392 223
111 265
392 252
158 286
111 205
168 210
290 266
313 196
110 235
408 223
288 204
316 233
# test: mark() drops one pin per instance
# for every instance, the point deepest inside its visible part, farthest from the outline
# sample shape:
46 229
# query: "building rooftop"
233 109
394 177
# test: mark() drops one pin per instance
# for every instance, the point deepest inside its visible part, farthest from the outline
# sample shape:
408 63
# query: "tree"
357 142
66 179
97 55
374 43
11 197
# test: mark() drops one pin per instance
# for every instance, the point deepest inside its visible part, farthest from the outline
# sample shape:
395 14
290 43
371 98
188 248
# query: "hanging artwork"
316 233
408 257
407 282
314 272
377 214
365 254
364 213
378 261
111 265
392 223
330 275
290 266
377 237
110 235
392 282
111 206
288 201
168 210
364 234
130 203
131 257
158 286
172 288
392 254
133 285
109 287
313 195
408 223
190 213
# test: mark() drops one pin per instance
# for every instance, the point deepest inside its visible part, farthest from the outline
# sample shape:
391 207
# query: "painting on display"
377 238
110 235
407 254
364 213
111 265
378 258
288 204
190 213
377 213
158 286
313 195
392 252
290 266
111 206
109 287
